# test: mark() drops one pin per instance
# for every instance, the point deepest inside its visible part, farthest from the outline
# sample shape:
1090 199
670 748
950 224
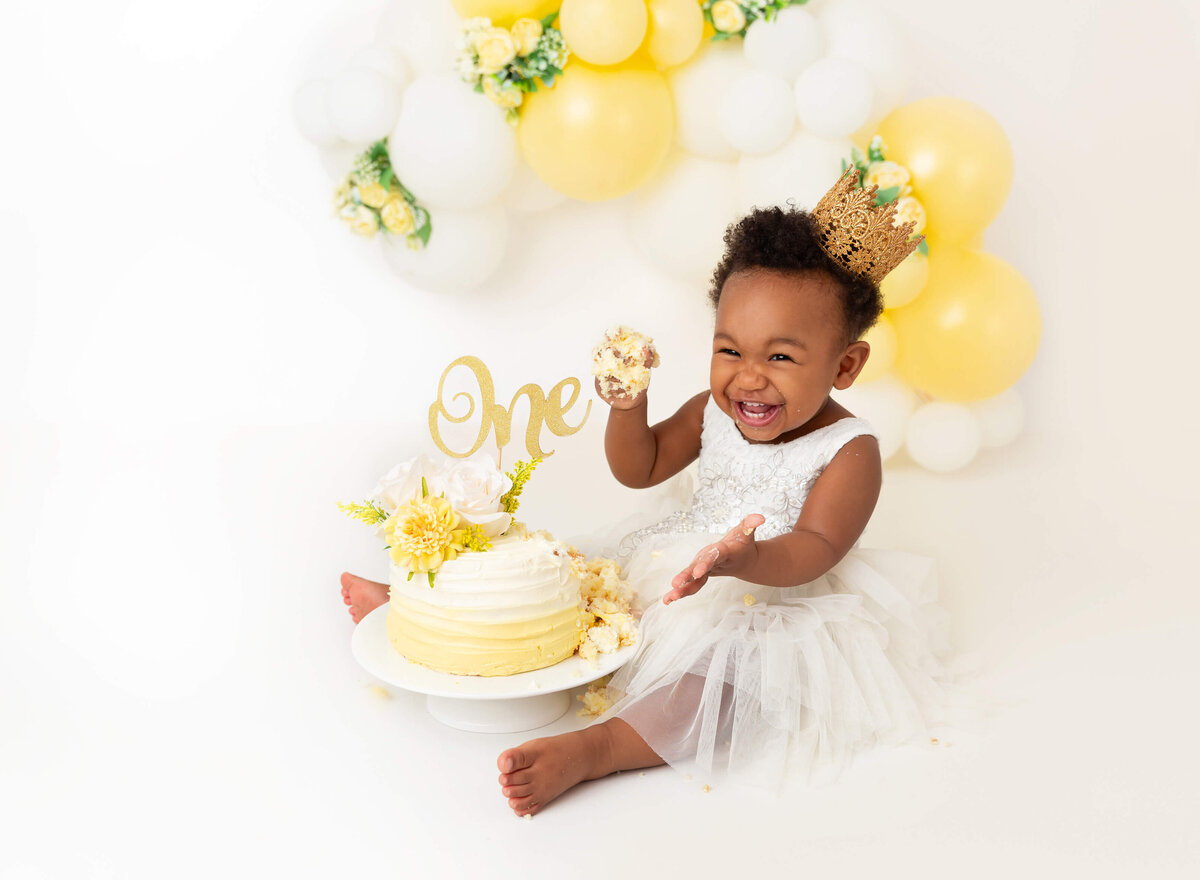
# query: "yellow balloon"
960 159
882 339
973 330
599 133
901 286
675 30
603 31
504 12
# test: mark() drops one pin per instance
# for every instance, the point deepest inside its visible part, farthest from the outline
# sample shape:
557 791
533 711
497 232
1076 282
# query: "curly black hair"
788 240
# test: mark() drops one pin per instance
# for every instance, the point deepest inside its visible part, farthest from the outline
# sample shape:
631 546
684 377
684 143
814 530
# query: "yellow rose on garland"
372 194
727 16
362 221
397 216
526 32
423 533
495 48
909 210
502 93
886 175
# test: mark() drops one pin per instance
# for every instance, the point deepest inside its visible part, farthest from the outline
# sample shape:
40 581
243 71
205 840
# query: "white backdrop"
197 362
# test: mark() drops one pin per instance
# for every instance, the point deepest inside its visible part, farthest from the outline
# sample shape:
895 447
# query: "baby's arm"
835 513
640 455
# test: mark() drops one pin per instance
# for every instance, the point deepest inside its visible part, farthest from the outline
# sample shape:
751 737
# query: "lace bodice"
738 478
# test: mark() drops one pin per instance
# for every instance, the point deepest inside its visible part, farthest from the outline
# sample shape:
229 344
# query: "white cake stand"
481 704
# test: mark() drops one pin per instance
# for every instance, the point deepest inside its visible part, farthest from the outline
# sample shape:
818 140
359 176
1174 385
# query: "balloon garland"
461 113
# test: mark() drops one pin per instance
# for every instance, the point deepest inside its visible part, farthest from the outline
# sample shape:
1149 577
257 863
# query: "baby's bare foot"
536 772
363 596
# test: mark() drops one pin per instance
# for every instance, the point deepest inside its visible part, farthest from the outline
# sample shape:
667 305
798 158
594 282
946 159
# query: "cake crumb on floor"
379 692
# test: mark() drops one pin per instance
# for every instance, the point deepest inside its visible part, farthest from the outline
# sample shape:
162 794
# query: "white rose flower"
403 483
727 17
888 174
473 487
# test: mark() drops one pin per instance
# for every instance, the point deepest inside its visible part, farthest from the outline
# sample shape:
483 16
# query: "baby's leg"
363 596
536 772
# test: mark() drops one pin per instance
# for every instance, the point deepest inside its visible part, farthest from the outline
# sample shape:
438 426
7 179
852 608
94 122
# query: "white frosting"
519 578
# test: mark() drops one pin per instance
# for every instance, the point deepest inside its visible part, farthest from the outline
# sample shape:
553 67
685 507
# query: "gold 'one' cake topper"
544 409
859 234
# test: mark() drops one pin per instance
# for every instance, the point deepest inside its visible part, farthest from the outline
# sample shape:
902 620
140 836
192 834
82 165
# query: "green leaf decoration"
548 21
923 248
410 575
430 573
883 196
424 488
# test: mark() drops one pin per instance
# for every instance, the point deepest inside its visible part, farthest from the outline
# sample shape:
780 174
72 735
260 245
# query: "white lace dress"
799 679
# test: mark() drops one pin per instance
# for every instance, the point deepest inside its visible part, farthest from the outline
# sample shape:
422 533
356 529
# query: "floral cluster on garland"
506 63
428 513
893 185
730 18
372 199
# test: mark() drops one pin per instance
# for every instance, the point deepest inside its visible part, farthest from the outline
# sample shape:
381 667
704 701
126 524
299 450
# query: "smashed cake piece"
596 699
607 601
623 360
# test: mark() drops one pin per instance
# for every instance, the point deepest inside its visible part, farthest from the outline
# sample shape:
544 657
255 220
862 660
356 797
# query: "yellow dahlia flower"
728 17
526 32
423 534
397 216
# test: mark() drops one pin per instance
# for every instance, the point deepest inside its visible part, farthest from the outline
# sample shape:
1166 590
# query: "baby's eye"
779 357
728 351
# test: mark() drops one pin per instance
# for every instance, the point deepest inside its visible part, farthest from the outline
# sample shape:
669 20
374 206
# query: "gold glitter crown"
859 234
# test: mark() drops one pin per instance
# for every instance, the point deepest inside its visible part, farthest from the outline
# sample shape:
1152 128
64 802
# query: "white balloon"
310 111
678 221
786 45
801 171
943 437
425 32
698 89
527 193
757 112
452 147
1001 418
386 61
861 32
465 249
363 105
833 97
338 160
887 403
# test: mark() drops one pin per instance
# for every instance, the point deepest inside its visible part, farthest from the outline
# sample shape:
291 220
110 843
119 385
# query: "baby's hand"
730 554
615 395
621 364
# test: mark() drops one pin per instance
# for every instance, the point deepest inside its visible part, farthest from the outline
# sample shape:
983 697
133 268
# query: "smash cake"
473 591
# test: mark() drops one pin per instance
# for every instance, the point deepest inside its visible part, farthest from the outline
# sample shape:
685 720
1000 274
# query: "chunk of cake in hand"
622 362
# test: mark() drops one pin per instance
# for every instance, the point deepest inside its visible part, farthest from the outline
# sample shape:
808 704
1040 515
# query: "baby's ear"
854 358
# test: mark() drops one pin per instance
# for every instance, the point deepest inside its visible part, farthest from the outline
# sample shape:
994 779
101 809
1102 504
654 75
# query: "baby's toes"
517 791
522 805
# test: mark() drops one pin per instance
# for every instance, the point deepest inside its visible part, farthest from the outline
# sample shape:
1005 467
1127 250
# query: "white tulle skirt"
761 684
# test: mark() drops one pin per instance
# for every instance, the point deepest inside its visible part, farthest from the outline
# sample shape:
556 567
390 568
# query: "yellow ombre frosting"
511 609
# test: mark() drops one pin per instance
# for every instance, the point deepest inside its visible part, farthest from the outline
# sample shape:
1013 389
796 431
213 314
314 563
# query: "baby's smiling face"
779 347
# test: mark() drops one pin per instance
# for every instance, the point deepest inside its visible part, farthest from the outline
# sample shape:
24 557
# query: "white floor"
191 380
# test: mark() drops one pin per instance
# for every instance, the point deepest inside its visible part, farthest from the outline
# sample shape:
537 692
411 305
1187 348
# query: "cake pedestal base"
499 716
491 704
